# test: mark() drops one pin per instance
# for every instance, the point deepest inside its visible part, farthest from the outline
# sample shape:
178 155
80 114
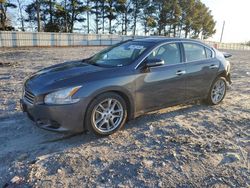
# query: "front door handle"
180 72
214 66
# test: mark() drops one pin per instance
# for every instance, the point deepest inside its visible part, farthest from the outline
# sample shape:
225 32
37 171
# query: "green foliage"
174 18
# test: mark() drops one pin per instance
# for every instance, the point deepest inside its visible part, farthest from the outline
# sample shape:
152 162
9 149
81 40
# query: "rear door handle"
180 72
214 66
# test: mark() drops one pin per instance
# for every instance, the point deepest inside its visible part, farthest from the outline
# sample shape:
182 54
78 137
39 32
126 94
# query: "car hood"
61 73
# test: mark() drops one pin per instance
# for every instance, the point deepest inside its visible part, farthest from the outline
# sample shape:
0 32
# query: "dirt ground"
191 145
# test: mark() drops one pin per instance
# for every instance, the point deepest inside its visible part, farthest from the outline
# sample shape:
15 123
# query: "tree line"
187 18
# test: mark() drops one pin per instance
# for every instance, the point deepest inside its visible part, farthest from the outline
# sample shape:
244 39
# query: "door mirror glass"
154 62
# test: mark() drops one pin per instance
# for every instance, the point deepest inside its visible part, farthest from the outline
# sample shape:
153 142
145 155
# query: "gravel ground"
191 145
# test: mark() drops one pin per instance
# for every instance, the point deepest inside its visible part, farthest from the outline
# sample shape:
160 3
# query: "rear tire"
106 114
217 91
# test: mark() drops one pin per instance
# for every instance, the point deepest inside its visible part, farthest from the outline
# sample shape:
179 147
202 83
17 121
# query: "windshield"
119 55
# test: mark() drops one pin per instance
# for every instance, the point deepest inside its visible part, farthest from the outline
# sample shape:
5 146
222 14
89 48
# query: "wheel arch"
222 74
226 75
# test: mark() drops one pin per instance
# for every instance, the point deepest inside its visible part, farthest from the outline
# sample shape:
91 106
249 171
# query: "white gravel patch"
191 145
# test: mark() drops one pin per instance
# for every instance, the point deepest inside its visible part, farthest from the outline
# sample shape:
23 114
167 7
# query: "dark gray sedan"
124 81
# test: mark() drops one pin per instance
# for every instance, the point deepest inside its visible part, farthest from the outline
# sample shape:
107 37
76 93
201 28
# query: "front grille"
29 97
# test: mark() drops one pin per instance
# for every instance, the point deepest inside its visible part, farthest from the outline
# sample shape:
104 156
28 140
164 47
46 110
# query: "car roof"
165 39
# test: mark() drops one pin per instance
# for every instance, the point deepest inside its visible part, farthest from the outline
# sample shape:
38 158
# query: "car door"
201 67
162 85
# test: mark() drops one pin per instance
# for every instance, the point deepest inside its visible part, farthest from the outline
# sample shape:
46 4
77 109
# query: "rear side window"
170 53
194 52
208 53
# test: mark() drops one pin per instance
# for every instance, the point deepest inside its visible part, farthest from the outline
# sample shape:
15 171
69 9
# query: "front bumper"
59 118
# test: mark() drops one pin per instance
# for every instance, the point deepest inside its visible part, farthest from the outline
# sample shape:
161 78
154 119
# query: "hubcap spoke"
116 111
102 123
112 121
99 112
108 125
99 120
109 103
113 106
100 105
116 116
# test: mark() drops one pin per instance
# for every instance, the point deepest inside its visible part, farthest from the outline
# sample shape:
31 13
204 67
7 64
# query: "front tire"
106 114
217 91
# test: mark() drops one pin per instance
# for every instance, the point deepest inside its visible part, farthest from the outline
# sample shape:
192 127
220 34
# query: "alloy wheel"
218 91
107 115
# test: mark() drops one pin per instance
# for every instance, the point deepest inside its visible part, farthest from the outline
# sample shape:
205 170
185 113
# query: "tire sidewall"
89 123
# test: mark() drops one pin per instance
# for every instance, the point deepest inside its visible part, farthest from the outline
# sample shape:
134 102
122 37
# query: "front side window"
170 53
194 52
119 55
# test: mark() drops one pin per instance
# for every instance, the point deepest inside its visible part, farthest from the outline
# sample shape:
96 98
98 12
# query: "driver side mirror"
154 62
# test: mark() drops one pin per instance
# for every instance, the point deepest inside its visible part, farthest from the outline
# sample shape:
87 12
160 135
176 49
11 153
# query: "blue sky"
236 15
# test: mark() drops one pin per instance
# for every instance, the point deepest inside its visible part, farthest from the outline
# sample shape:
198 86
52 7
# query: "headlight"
63 96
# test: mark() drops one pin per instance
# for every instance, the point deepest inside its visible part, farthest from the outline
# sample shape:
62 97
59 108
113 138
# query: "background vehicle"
124 82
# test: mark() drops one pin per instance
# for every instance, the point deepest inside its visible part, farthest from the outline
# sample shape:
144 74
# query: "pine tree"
4 19
175 16
34 15
124 11
110 12
20 5
147 16
137 8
